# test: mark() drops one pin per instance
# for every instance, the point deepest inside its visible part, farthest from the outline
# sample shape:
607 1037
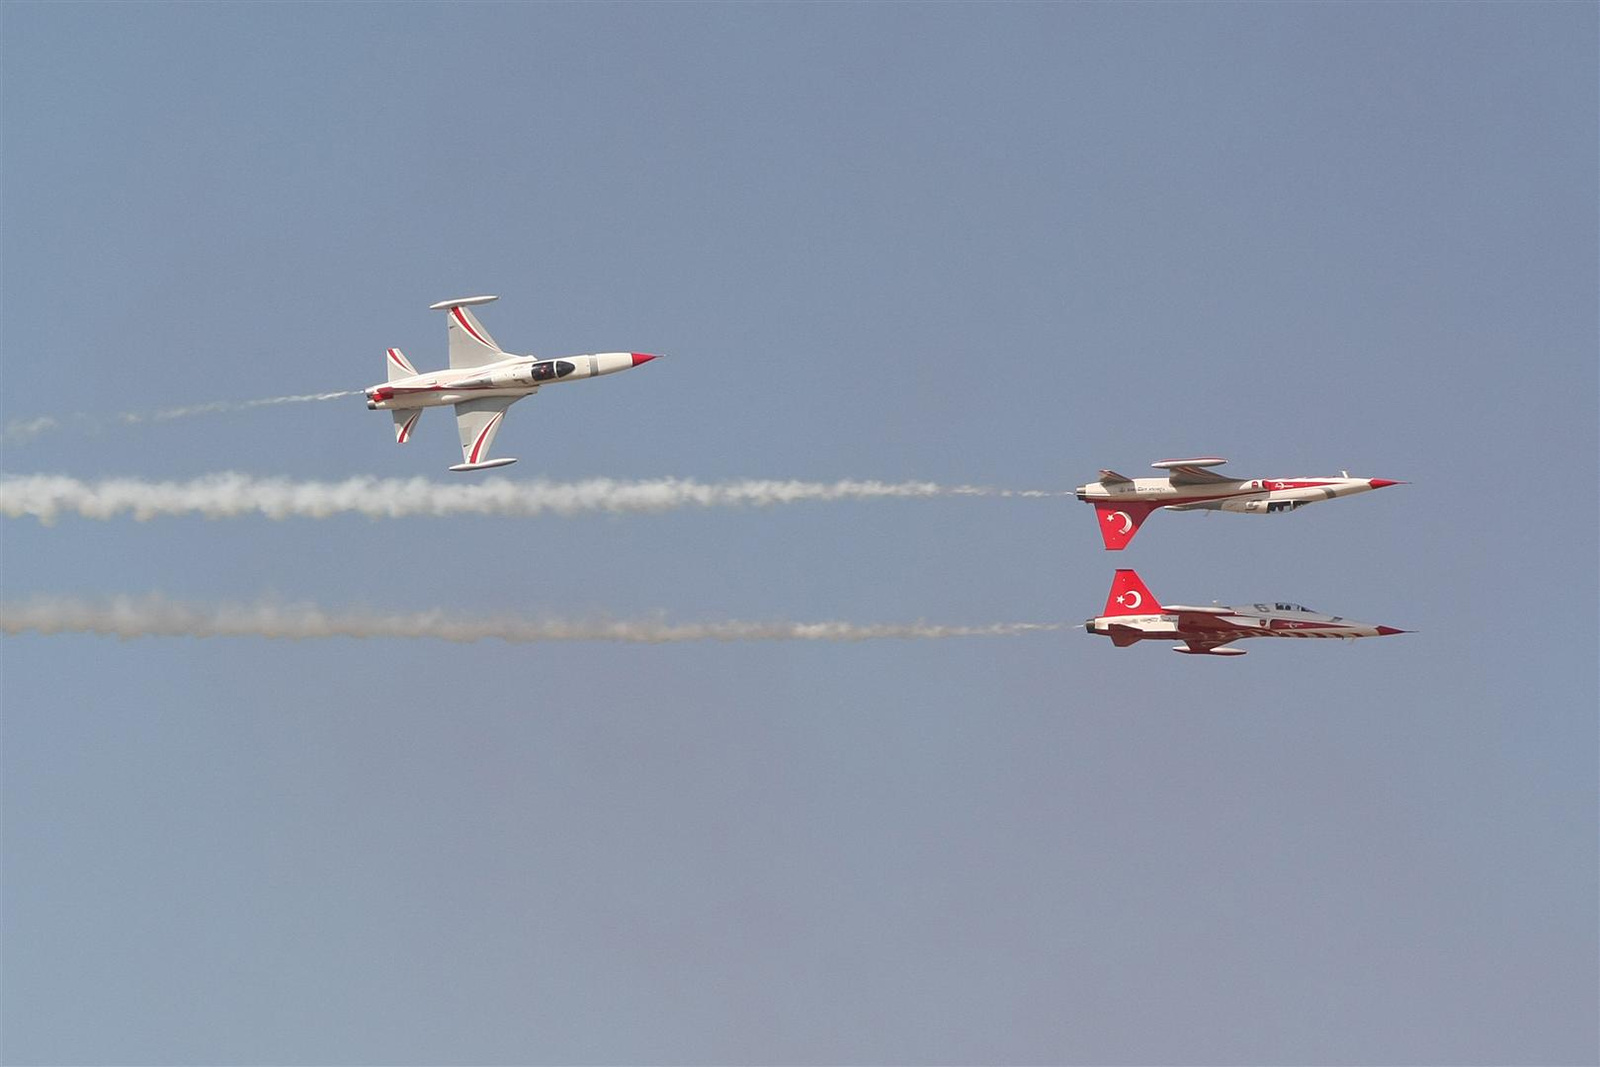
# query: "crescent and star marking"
1137 599
1127 520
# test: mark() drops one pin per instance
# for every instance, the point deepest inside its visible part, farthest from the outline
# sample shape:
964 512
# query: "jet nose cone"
1385 631
641 357
1379 483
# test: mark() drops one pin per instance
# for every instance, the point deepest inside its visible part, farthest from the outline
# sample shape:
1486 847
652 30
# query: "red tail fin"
1119 522
1130 597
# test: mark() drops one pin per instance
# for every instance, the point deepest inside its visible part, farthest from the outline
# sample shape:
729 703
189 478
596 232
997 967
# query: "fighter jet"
482 382
1122 504
1132 614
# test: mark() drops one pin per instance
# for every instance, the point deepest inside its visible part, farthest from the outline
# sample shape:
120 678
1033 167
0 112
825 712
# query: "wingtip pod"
1222 651
1381 483
1198 461
461 302
1386 631
503 461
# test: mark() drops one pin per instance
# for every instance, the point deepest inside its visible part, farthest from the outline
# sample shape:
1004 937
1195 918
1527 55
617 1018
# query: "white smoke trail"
230 496
21 430
156 616
167 414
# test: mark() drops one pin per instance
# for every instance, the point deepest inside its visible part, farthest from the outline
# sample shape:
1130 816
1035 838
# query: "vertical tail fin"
1119 522
1130 597
399 366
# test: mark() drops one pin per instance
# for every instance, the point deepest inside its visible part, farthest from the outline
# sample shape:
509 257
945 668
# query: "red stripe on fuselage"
1163 498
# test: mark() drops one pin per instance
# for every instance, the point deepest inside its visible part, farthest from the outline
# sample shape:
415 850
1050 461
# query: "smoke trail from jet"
155 616
231 496
19 431
168 414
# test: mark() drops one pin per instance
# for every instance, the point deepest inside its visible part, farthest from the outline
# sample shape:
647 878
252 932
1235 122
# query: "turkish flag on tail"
1119 522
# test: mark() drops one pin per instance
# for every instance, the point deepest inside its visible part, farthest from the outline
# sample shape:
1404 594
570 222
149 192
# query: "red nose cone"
641 357
1385 631
1376 483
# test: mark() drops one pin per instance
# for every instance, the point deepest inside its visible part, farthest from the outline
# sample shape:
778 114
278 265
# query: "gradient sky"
1000 245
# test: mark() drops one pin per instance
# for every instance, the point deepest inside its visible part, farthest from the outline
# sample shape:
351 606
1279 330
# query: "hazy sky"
990 245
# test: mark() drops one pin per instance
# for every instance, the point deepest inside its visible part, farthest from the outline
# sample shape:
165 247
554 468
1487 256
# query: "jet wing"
1193 471
1217 617
470 343
479 421
1196 476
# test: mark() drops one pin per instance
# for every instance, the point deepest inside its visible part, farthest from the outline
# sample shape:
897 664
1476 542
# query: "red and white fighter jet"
1122 504
1132 614
482 382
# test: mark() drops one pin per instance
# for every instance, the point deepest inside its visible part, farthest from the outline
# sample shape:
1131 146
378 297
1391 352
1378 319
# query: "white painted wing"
479 421
1187 474
470 343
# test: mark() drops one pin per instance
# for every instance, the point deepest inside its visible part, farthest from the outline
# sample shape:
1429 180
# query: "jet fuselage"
1221 623
1121 503
514 376
1133 614
1261 496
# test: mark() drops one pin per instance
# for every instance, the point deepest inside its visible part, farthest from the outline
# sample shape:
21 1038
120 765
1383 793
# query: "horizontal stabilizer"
505 461
404 423
398 365
1111 477
1123 636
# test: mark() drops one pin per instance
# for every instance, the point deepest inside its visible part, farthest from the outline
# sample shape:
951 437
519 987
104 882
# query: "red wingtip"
641 357
1379 483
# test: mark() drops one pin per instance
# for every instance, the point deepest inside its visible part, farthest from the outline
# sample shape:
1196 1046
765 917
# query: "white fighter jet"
1133 614
483 380
1122 503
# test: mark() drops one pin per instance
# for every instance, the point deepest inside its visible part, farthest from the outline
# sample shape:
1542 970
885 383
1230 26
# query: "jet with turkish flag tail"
482 382
1133 614
1121 504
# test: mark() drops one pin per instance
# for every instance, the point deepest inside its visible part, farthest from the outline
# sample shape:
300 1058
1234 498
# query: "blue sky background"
1005 245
